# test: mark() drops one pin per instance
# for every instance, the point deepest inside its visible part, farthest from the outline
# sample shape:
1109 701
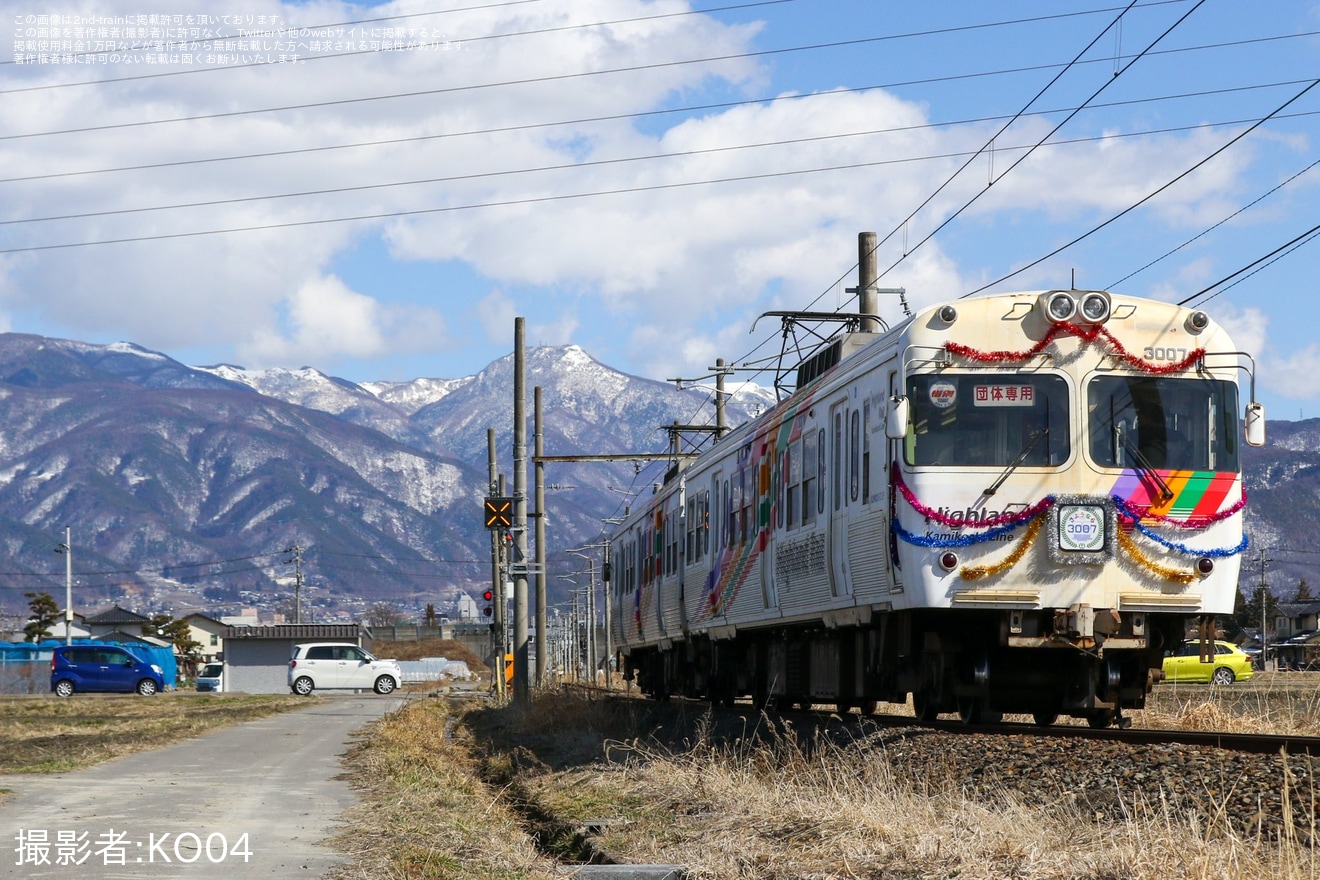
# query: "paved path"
190 810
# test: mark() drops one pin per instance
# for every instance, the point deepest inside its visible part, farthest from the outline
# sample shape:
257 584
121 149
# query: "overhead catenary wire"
1094 229
1254 266
1026 106
1248 206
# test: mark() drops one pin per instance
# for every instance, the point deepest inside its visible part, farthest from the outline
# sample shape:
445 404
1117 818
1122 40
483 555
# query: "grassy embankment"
455 790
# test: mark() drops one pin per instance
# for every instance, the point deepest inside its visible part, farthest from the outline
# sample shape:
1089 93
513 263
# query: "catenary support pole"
541 643
520 677
496 582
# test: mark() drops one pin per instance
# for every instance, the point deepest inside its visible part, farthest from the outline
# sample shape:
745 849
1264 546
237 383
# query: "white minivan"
211 678
327 665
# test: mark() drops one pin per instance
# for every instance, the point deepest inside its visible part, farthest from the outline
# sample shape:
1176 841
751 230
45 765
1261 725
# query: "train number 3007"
1165 354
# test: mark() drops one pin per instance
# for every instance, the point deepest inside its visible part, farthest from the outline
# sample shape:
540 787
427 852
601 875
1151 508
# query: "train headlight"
1095 307
1060 306
1204 566
948 314
1197 321
949 561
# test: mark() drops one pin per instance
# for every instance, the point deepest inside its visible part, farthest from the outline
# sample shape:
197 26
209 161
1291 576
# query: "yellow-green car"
1229 664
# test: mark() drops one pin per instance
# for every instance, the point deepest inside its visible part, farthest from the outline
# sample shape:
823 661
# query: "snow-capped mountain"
202 477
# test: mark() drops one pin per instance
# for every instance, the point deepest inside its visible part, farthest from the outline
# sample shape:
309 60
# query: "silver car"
327 665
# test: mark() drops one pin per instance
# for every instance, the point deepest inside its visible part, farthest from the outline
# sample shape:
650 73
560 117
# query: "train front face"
1069 487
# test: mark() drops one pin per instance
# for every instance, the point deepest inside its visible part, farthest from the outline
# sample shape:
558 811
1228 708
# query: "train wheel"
1044 719
1100 719
973 711
924 707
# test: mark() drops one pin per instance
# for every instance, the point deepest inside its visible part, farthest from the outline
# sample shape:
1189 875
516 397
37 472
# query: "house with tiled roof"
116 619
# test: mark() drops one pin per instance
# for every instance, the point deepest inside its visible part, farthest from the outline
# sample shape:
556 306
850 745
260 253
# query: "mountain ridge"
183 484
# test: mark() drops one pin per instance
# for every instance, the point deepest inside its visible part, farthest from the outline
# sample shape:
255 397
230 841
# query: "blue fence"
25 667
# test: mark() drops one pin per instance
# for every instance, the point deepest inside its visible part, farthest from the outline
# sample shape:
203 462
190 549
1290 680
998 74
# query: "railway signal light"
489 608
499 512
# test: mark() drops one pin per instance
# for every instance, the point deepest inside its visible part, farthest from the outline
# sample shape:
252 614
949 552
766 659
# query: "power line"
660 65
1076 59
767 100
560 196
1151 195
1271 191
356 52
1258 264
624 160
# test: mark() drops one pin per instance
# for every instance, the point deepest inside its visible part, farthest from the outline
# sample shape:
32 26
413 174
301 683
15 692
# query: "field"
456 787
48 734
466 790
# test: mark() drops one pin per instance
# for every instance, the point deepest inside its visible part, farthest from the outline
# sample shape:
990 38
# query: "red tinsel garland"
1086 335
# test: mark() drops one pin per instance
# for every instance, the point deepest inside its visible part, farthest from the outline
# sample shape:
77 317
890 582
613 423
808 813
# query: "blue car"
102 669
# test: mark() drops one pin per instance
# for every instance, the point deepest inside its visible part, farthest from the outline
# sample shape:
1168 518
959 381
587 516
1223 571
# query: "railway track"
1250 743
1247 743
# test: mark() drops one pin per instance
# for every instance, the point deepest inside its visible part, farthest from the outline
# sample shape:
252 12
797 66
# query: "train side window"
866 452
781 480
794 478
820 489
705 524
808 466
747 479
689 519
854 454
675 537
836 461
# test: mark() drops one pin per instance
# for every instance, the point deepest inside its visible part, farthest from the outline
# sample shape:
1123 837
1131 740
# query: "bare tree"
382 614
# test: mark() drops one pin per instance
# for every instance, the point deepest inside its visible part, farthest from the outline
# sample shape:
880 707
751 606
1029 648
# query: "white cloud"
670 269
326 321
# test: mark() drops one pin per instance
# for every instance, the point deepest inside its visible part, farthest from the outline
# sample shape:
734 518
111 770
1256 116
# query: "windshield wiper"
1035 438
1143 463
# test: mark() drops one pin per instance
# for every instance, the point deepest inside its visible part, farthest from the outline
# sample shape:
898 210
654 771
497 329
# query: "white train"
1013 503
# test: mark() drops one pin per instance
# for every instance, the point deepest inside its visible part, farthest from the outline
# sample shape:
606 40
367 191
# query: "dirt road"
255 800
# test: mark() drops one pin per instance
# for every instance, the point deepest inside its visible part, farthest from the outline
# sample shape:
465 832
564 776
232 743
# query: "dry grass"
48 734
416 650
498 791
426 813
1272 702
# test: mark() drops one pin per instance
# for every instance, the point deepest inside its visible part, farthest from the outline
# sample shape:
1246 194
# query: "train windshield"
1164 423
987 420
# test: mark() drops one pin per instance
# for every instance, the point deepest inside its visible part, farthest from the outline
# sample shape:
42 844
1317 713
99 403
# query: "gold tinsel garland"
970 573
1125 541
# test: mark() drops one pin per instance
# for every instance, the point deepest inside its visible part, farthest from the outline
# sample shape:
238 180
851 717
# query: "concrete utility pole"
721 424
541 652
867 276
520 677
606 587
67 549
297 550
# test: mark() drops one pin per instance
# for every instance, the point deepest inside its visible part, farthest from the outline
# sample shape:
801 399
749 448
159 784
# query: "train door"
844 479
719 499
892 453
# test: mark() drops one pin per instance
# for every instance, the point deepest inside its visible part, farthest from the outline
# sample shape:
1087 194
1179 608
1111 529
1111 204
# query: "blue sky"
645 178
